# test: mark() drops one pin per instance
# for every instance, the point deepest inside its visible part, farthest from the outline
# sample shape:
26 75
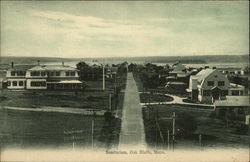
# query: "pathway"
132 133
55 109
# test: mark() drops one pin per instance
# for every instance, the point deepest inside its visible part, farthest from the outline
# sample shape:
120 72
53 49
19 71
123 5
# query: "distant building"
236 105
178 69
202 86
51 77
179 73
209 85
111 72
232 71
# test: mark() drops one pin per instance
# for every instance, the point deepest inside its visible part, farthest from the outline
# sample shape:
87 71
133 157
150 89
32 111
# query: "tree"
81 65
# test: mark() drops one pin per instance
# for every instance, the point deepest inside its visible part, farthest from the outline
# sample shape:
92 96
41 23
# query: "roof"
179 67
22 67
229 68
232 85
233 101
52 67
70 81
203 74
66 81
176 83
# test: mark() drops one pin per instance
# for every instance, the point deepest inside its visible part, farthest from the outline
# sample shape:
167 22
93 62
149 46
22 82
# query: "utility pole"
156 130
110 102
168 140
92 126
115 83
92 133
200 140
73 138
173 129
103 75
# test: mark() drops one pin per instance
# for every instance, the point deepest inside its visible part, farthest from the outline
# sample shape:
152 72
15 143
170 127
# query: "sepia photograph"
124 81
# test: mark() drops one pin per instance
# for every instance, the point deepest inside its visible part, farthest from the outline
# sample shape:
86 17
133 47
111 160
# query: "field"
214 132
145 98
89 99
39 129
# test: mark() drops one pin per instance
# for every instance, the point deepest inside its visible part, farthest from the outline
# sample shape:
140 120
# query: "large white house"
43 77
209 85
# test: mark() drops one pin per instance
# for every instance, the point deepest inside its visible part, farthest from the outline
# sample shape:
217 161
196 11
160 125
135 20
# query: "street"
132 129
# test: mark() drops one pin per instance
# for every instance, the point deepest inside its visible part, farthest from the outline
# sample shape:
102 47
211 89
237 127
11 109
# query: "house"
179 73
177 68
111 72
42 77
236 105
16 76
232 71
208 85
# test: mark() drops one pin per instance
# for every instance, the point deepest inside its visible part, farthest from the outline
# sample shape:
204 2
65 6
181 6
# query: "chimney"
38 62
62 63
12 64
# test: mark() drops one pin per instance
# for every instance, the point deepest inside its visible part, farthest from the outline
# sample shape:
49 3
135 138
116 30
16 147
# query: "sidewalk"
55 109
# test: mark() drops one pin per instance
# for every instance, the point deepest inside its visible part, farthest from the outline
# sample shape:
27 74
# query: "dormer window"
210 83
221 83
43 73
72 73
13 73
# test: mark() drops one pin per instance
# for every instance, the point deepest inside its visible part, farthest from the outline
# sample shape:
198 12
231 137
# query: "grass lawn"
145 97
93 99
214 132
40 129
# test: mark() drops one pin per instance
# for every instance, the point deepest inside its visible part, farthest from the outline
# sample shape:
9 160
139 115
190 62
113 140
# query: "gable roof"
204 74
179 67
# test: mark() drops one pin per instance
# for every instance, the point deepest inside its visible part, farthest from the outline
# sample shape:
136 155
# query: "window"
221 83
13 73
210 83
38 84
235 93
52 73
67 73
43 73
72 73
20 83
35 73
14 83
57 73
9 83
21 73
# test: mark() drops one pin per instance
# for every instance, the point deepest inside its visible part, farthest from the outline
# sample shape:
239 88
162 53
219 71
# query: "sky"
88 29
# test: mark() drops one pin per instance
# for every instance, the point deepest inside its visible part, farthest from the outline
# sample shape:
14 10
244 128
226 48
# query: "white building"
43 77
209 85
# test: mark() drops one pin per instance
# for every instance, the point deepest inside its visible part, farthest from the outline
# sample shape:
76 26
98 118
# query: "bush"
242 129
2 98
